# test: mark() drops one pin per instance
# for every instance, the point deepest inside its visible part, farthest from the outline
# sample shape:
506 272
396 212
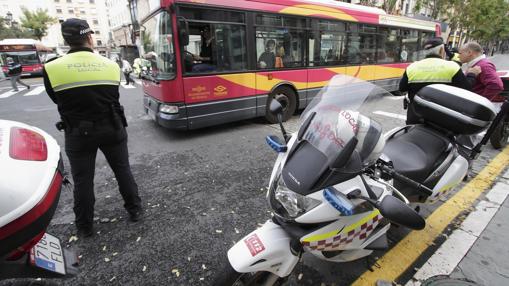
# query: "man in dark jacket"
14 73
487 83
84 85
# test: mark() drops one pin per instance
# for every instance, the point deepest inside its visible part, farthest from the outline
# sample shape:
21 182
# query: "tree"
38 22
7 30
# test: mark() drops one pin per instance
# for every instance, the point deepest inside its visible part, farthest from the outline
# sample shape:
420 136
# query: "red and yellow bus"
31 54
215 61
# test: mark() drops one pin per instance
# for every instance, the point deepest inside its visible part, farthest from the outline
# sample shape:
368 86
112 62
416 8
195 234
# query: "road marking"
128 86
452 251
137 81
10 93
35 91
392 115
401 257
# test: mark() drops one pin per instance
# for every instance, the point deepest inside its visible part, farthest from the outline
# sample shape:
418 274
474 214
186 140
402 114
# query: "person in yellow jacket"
433 69
84 85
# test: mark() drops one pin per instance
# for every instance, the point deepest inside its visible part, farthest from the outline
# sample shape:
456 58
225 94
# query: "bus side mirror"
183 31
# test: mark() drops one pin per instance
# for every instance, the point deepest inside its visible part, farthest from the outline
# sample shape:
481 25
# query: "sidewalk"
477 251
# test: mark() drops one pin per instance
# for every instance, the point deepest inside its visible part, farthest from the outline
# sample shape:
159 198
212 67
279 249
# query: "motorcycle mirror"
397 211
275 107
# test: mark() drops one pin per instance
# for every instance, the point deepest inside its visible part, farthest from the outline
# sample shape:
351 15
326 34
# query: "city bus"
217 61
30 53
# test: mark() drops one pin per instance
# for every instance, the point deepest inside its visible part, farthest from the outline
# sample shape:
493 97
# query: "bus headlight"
171 109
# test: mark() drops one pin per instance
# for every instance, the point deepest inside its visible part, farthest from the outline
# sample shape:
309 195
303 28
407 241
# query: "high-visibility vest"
81 69
456 58
432 70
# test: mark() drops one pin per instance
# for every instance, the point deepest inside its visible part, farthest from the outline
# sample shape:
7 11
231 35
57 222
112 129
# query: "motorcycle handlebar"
407 180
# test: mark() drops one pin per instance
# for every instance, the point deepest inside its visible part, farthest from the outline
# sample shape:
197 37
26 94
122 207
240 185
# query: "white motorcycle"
339 182
30 183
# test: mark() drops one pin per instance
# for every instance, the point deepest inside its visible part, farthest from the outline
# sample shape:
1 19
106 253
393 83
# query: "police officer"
432 69
84 85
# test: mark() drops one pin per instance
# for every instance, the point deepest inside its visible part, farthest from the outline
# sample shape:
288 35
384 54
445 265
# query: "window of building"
99 43
71 11
92 1
57 1
69 1
95 21
82 12
97 32
59 11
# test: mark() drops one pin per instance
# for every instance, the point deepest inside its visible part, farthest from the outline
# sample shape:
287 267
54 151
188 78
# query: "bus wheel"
286 96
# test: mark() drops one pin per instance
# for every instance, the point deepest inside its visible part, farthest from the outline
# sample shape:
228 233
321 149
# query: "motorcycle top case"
454 109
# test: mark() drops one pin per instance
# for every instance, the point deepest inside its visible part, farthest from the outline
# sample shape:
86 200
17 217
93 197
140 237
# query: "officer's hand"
475 70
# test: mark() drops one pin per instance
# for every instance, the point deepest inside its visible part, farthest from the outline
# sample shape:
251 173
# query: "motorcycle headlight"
293 204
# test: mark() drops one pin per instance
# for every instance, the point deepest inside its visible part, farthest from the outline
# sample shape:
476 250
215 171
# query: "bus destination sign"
16 47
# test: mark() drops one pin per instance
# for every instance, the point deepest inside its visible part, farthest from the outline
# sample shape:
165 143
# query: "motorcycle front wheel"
228 276
499 137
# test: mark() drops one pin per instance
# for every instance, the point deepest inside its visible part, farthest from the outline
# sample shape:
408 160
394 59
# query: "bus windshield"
23 58
158 59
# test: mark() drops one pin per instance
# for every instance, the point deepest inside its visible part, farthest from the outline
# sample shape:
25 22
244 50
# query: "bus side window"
388 46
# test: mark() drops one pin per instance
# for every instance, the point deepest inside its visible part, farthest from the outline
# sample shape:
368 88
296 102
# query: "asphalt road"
202 190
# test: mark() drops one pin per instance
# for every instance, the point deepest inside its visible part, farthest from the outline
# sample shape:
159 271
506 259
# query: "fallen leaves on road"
115 253
300 276
113 278
73 238
204 267
104 248
138 239
219 231
176 272
236 230
106 259
144 268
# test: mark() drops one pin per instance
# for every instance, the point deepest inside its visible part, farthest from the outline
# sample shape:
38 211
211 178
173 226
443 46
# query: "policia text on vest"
85 85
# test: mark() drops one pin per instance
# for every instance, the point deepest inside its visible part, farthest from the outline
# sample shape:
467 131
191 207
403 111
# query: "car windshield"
349 108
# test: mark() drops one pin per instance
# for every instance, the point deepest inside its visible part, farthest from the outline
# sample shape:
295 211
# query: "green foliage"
11 32
484 20
37 22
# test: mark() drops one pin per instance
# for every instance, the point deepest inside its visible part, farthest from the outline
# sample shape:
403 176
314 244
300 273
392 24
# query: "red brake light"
27 145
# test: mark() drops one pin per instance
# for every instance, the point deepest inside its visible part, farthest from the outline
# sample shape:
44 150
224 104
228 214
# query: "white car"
30 183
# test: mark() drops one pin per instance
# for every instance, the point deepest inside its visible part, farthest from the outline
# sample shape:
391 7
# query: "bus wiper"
150 78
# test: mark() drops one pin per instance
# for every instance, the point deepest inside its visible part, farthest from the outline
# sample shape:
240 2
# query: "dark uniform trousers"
81 145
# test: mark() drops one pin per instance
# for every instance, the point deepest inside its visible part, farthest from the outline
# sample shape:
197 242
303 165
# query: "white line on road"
35 91
452 251
10 93
128 86
392 115
137 81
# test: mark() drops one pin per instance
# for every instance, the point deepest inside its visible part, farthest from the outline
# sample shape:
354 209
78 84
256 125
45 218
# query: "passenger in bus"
279 57
207 52
267 59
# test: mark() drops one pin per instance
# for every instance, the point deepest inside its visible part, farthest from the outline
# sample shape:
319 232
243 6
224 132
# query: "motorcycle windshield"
348 118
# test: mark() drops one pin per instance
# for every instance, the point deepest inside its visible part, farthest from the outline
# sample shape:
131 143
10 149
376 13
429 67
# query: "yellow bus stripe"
397 260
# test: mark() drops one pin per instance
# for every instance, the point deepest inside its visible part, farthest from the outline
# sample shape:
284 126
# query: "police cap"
433 42
74 28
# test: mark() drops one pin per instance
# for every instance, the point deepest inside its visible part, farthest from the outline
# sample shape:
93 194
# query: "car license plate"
48 254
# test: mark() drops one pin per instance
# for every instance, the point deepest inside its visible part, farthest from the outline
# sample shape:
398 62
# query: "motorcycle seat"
416 151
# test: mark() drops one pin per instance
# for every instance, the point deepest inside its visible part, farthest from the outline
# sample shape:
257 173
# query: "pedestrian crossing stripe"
35 91
11 93
128 86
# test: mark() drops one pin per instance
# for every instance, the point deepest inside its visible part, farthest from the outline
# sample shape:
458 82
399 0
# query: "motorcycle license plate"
48 254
